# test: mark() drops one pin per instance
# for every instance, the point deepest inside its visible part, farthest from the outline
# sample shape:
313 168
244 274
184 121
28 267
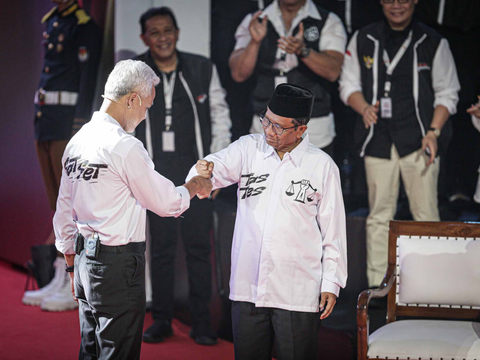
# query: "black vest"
425 50
197 72
301 75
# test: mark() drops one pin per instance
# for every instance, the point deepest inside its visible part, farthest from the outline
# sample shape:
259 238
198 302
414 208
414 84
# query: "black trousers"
254 330
195 231
111 297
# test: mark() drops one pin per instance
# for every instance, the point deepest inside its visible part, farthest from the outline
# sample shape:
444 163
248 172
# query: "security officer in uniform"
63 101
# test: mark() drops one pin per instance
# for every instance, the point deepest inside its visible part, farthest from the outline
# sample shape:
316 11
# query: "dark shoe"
158 332
203 335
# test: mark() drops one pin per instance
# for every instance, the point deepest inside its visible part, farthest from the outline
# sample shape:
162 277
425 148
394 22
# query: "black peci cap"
291 101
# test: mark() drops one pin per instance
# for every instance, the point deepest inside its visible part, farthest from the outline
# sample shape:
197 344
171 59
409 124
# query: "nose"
269 130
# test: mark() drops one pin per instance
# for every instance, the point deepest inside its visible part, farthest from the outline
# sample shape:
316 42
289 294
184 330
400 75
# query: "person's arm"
327 62
155 192
63 224
446 87
88 46
227 165
249 36
219 114
332 224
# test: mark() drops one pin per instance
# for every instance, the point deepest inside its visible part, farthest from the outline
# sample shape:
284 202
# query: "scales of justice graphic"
302 191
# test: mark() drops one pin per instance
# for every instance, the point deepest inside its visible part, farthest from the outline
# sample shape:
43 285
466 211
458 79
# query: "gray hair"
130 76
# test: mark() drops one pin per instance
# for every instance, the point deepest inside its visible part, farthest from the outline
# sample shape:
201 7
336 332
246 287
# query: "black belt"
137 247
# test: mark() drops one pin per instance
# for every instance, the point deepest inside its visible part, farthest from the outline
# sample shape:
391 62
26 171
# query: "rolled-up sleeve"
331 220
444 78
152 190
242 35
63 224
334 36
350 79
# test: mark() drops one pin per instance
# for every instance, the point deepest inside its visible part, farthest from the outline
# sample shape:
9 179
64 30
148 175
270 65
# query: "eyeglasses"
398 1
277 129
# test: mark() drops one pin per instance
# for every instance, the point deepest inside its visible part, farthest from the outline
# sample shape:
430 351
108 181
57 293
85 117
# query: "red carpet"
26 332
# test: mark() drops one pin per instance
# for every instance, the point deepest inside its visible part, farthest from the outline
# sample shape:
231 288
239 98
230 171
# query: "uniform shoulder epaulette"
82 16
47 15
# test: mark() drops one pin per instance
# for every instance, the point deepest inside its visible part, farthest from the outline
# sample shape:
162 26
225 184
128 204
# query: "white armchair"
433 275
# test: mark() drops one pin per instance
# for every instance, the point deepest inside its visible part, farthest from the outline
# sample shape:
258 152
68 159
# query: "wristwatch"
69 268
436 132
304 52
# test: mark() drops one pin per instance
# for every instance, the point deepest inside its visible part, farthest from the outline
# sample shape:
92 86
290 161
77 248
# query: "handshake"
201 185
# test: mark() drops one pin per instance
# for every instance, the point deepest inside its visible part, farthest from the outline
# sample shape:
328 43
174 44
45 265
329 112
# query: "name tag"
168 141
386 107
280 80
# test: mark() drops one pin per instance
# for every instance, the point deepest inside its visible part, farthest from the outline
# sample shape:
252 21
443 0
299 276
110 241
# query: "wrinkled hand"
330 299
72 282
204 187
292 44
258 29
475 109
370 114
204 168
430 141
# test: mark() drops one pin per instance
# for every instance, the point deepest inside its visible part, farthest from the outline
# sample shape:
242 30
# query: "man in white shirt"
108 182
289 245
295 42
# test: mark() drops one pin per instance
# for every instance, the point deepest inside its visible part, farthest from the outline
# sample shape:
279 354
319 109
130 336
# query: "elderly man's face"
289 139
161 37
398 14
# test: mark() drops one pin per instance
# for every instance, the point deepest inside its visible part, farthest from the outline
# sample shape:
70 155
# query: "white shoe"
62 300
35 297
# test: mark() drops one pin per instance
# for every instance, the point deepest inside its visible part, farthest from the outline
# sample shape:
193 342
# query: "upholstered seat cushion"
426 339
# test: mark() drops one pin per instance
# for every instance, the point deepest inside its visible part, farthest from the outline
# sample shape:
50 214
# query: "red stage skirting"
26 332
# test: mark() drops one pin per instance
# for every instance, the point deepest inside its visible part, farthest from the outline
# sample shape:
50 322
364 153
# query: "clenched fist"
204 168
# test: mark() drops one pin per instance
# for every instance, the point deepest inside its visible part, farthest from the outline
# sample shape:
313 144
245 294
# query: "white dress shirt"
332 37
108 181
289 242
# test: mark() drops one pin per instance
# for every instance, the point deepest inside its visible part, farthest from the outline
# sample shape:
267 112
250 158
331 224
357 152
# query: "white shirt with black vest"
332 37
289 243
108 182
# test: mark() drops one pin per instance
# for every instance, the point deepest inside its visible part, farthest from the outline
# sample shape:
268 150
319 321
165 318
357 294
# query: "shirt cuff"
185 204
328 286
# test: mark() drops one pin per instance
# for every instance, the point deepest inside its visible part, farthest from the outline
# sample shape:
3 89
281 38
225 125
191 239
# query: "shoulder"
321 158
372 29
195 59
432 35
48 15
82 17
142 57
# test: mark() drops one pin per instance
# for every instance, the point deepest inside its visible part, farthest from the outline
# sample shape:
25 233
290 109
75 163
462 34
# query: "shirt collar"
104 117
296 154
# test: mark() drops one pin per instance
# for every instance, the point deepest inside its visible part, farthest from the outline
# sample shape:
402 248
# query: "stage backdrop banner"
193 19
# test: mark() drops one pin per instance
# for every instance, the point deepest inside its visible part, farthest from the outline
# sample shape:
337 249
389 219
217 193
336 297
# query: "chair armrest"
362 309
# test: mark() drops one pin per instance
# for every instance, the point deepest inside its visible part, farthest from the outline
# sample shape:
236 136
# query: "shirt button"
47 69
55 24
39 114
50 46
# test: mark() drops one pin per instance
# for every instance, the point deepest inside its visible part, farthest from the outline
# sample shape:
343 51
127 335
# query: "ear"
301 130
145 40
177 34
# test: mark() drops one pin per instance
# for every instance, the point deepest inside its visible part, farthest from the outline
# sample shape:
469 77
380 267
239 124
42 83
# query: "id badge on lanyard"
168 137
386 106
